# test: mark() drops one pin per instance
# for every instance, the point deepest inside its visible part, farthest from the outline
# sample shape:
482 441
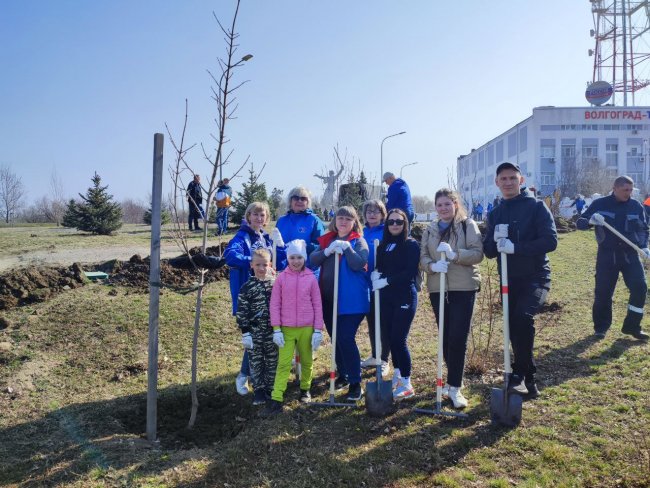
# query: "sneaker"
305 396
355 392
274 407
368 363
533 391
516 385
403 391
397 382
599 335
457 397
637 334
241 383
385 368
445 390
259 397
340 383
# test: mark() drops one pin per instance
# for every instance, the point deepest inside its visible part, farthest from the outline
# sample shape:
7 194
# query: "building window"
611 155
568 151
547 152
499 151
548 179
512 145
589 152
637 177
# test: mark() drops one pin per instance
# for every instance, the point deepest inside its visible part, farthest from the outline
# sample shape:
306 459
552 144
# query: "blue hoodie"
370 234
399 196
301 225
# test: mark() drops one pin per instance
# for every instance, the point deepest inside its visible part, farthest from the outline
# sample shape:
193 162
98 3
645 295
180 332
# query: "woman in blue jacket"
251 236
344 242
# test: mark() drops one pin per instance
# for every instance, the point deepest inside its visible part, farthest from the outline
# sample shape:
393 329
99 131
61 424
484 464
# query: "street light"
405 165
381 150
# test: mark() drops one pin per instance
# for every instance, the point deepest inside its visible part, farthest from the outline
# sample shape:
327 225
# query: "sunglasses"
395 221
302 199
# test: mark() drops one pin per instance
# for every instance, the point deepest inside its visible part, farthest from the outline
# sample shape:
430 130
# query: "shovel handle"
624 239
506 313
335 309
275 257
377 324
441 333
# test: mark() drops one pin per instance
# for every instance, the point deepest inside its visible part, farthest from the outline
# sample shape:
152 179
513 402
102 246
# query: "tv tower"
622 50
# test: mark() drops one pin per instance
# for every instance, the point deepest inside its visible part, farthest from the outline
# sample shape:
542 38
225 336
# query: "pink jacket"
295 300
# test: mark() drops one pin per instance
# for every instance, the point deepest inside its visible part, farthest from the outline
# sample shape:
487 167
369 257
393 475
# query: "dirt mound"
29 285
563 225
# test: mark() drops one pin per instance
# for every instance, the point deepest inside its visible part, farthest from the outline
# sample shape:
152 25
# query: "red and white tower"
622 50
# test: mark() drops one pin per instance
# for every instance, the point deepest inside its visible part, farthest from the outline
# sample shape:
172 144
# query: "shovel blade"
505 409
379 398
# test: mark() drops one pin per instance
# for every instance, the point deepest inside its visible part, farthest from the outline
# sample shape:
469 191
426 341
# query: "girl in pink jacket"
297 320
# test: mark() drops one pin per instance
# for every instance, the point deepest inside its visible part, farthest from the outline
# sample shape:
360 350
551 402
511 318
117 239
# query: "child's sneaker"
355 392
368 363
385 368
274 407
403 391
305 396
396 378
259 397
340 383
457 398
241 383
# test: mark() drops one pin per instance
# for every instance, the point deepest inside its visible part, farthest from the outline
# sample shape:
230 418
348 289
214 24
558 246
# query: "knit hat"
297 247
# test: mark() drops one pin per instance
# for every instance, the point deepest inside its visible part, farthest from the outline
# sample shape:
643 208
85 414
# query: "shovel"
332 401
441 331
379 394
505 408
625 240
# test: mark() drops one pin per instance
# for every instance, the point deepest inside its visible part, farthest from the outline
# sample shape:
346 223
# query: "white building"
546 144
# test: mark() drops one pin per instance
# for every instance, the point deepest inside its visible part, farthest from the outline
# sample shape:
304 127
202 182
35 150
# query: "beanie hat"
297 247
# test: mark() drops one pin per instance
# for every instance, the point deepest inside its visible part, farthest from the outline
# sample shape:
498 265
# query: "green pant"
294 338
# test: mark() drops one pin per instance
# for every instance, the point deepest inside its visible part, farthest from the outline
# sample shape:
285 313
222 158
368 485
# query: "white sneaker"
445 390
396 379
241 383
403 391
368 363
457 397
385 368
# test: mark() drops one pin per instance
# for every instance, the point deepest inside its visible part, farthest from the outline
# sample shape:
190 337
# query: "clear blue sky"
85 85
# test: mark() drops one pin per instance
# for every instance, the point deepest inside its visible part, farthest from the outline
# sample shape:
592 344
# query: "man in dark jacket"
194 201
399 195
614 256
524 229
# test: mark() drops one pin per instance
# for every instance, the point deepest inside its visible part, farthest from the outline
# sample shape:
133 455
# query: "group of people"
222 201
283 284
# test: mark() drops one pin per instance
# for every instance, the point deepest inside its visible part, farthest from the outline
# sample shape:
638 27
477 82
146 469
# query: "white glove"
276 237
379 284
446 248
343 246
331 248
247 341
646 251
597 219
316 339
278 338
500 232
506 246
439 266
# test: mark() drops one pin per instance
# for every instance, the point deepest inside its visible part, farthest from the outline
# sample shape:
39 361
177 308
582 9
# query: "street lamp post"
381 151
405 165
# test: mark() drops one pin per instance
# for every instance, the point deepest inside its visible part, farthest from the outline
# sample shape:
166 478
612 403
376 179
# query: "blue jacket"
532 230
238 257
370 234
303 225
626 217
399 196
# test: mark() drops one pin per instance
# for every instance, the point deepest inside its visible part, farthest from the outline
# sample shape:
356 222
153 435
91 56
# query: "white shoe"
241 383
397 381
457 397
403 391
445 390
385 368
368 363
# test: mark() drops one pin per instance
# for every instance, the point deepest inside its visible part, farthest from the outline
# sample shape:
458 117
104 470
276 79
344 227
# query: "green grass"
77 412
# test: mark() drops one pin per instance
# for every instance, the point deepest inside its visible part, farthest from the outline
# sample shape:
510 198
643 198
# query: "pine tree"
165 217
95 213
252 191
275 201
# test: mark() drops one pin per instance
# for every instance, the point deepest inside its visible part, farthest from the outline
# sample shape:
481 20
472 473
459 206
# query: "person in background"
579 203
616 257
479 211
194 201
399 195
374 214
345 243
460 239
397 268
223 199
489 209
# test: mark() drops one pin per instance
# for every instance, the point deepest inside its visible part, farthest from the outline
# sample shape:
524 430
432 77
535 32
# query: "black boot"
517 385
531 386
273 407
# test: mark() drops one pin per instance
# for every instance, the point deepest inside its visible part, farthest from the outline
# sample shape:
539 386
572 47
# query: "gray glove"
278 338
500 232
247 341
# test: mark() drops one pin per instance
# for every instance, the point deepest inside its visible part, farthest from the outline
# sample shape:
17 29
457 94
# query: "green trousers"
295 338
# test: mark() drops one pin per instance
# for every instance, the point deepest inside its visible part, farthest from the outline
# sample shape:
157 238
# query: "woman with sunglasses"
459 238
344 242
300 222
374 215
398 256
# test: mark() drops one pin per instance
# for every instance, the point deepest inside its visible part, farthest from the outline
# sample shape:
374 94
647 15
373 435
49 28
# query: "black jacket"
398 261
532 230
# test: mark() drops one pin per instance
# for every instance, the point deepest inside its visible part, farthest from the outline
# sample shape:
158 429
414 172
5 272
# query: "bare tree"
423 204
133 211
223 94
12 192
58 203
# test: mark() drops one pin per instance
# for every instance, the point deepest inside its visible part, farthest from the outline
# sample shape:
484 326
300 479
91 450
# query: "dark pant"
526 296
398 315
459 306
348 361
609 263
196 213
263 359
384 331
222 220
245 369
